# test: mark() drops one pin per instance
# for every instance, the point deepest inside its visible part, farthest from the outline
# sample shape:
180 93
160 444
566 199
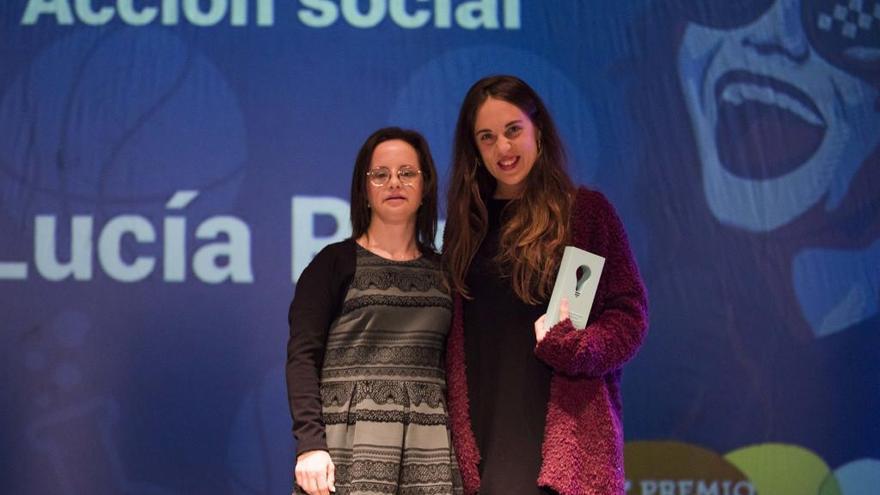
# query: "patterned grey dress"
382 381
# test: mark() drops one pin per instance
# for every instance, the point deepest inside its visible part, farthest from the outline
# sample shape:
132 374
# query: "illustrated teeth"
738 93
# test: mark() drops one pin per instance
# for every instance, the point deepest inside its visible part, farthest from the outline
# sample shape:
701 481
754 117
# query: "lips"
507 164
766 127
395 197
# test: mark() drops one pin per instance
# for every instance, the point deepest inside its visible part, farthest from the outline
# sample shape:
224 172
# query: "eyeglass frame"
405 168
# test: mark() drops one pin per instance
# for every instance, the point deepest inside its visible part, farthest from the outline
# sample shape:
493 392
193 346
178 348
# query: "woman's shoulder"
591 200
333 255
337 249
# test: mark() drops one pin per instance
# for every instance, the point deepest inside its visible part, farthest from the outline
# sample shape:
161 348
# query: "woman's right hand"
315 472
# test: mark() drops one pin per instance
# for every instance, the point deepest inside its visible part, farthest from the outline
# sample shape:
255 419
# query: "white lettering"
404 19
265 12
466 15
685 487
511 14
170 12
442 14
744 488
195 15
13 270
238 13
407 14
110 248
356 18
80 264
92 17
143 12
129 15
174 237
237 251
472 14
59 8
234 250
304 242
704 489
324 13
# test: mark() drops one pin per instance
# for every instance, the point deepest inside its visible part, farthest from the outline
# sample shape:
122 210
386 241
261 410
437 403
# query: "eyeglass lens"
381 175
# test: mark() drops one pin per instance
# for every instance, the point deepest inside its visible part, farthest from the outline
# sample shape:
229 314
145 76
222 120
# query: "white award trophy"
577 279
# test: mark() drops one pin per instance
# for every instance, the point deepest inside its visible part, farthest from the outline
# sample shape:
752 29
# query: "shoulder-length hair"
535 227
426 216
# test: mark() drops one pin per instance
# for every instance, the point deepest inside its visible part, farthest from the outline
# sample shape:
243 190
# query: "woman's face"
398 199
779 127
508 145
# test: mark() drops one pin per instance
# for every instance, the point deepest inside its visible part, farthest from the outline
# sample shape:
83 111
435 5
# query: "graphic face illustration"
778 125
785 109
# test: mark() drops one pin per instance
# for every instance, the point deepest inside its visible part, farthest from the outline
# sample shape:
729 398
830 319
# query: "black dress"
508 386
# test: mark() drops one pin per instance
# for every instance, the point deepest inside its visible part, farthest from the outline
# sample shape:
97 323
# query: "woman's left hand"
540 331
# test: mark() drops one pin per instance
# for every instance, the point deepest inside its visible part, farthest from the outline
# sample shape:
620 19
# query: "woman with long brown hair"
532 410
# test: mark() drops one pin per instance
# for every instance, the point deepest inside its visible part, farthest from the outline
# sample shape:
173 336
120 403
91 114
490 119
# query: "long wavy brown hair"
535 229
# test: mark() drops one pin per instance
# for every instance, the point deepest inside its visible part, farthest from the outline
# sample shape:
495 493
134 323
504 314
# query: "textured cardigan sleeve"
618 321
318 300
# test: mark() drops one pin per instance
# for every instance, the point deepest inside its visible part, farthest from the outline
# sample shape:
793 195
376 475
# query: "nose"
394 181
503 144
780 31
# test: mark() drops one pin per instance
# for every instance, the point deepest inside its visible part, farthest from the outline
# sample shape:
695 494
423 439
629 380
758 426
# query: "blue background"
760 331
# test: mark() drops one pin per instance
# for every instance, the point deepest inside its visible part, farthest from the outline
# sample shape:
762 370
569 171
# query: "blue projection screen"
169 167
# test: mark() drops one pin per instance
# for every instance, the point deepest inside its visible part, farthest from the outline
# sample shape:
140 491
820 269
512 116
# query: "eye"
486 138
408 173
380 173
513 131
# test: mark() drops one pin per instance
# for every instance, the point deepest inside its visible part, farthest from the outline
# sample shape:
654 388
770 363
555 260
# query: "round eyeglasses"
381 175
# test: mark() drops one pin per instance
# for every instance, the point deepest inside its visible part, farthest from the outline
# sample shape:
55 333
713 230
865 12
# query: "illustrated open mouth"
766 127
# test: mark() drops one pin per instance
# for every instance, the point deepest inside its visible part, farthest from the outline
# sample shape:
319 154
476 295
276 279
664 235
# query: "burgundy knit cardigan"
583 438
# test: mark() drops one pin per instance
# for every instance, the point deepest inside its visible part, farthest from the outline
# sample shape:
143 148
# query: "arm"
314 306
614 335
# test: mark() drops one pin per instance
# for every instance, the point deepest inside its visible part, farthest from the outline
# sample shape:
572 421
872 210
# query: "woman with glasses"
532 411
367 330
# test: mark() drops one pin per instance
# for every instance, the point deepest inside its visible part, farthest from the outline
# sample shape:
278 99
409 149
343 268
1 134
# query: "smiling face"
508 145
778 127
395 202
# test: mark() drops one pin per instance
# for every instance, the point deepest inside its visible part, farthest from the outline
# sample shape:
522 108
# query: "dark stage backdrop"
168 168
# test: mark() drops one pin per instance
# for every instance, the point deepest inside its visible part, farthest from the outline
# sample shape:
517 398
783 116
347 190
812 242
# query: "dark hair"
426 217
535 230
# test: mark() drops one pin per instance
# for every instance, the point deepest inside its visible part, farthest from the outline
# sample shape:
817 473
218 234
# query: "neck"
391 240
504 192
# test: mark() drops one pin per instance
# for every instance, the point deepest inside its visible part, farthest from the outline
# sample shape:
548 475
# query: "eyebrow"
400 167
517 121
